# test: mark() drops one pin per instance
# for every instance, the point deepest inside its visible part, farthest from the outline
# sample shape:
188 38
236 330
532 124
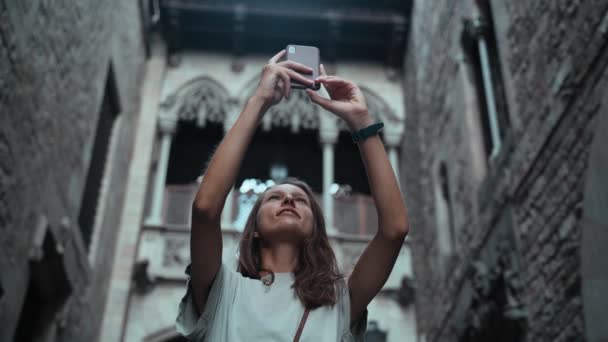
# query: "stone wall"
54 60
553 57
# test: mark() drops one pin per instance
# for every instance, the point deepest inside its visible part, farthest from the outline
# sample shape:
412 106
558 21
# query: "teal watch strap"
366 132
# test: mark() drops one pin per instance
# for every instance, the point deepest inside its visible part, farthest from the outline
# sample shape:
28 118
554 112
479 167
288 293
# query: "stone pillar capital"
328 180
328 136
392 138
167 123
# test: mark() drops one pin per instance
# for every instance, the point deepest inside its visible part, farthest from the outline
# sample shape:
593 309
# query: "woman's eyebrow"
293 194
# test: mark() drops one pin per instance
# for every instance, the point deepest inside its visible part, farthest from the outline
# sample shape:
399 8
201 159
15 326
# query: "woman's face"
285 214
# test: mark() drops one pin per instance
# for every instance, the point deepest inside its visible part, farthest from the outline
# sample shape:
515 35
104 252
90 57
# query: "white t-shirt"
240 309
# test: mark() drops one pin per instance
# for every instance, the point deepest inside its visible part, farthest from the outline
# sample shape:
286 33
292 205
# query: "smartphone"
309 56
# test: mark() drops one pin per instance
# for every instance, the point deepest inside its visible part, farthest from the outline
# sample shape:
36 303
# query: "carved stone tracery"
202 100
176 252
496 301
295 112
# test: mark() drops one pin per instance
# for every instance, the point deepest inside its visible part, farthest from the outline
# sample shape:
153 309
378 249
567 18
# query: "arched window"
479 43
443 211
108 113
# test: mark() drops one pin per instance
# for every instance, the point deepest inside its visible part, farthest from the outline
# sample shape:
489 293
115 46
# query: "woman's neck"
280 257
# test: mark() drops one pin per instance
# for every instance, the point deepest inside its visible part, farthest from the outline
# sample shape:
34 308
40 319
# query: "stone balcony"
166 251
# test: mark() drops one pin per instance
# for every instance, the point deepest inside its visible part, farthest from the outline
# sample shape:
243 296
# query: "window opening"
479 42
48 289
107 116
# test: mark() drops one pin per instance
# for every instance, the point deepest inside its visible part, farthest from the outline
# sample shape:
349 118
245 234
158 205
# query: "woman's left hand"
346 100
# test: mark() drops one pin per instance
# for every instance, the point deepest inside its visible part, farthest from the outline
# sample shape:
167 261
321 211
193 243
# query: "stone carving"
177 251
351 251
203 101
496 297
142 281
167 123
296 112
407 292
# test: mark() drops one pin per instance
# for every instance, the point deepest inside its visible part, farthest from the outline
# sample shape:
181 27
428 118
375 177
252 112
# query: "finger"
296 66
298 77
321 101
323 73
277 57
323 79
286 84
331 80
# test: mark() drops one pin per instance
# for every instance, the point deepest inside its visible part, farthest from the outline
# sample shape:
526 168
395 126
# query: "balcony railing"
354 215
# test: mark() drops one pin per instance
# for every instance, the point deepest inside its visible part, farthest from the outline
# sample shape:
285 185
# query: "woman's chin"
285 230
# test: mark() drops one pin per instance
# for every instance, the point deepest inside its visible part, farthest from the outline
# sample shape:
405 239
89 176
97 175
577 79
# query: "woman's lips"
291 211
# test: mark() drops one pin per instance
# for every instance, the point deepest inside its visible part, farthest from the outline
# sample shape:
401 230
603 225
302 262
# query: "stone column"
132 215
328 140
167 125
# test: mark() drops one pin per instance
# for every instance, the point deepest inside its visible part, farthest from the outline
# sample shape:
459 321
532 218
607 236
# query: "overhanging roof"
353 29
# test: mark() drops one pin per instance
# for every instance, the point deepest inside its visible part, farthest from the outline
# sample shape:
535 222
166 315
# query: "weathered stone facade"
203 89
57 60
525 205
529 225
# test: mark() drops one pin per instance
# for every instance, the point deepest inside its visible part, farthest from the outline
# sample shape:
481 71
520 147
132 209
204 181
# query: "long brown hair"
316 273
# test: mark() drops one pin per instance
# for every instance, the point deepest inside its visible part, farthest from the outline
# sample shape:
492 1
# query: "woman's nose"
288 199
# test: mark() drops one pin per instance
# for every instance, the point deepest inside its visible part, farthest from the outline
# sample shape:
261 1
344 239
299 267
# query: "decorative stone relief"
350 252
496 297
176 252
142 281
407 292
167 123
295 112
203 100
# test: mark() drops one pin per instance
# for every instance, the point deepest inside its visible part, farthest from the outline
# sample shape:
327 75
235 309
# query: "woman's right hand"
275 79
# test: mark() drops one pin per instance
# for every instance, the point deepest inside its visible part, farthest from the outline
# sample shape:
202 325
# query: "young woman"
287 286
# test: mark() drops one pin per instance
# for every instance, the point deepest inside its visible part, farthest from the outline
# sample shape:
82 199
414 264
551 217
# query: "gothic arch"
299 112
377 105
595 237
201 99
296 112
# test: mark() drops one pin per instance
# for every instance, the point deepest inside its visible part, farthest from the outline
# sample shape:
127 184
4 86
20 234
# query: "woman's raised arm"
376 263
221 173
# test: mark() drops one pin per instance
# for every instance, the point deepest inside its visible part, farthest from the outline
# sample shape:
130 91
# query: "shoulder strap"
301 326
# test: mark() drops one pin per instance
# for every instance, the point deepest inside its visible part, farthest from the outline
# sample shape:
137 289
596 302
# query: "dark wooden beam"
360 16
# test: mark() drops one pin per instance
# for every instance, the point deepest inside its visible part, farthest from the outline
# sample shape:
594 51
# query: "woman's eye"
300 199
273 197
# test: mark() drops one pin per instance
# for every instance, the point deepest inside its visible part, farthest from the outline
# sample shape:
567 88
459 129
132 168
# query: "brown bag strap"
301 326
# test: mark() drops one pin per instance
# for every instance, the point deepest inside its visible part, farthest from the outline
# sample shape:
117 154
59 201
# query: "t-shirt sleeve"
221 295
359 327
355 331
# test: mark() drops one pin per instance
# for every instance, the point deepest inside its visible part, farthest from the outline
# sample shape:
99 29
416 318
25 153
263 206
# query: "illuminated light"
333 189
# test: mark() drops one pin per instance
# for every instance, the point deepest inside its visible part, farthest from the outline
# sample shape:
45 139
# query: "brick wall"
553 57
54 59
